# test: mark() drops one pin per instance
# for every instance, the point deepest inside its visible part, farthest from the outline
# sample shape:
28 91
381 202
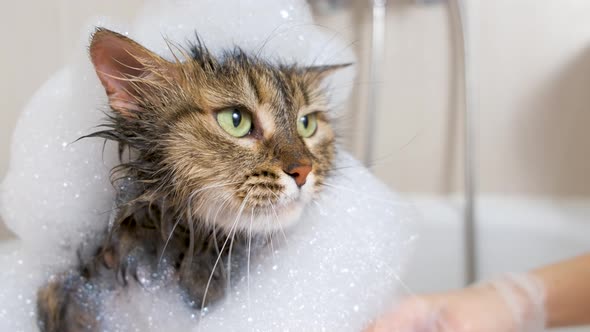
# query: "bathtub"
515 234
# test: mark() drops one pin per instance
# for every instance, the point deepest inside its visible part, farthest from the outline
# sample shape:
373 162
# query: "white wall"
37 36
532 73
533 76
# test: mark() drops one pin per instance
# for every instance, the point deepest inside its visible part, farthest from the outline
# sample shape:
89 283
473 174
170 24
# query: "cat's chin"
269 217
262 220
288 209
277 217
288 214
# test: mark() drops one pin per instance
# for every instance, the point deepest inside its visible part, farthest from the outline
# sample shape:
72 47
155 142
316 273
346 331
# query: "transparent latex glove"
514 303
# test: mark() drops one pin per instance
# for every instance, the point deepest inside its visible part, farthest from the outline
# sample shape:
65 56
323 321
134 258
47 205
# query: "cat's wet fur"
188 187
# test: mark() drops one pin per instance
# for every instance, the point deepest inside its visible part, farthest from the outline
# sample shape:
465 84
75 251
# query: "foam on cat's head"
337 268
281 30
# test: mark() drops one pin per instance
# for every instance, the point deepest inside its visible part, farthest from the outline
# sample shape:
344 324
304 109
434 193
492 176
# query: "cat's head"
231 141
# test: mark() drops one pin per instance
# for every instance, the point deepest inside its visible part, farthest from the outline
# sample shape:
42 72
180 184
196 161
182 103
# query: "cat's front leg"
67 305
201 284
71 301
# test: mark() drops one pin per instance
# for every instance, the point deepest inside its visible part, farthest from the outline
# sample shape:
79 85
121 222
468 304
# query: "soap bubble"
335 270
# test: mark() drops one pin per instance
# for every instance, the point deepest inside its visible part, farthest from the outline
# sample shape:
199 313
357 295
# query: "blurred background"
532 77
531 92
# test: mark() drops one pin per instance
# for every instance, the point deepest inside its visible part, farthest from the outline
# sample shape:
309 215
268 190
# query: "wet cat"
220 148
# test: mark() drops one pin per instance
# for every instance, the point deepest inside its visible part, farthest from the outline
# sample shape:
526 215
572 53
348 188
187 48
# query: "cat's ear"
123 67
320 73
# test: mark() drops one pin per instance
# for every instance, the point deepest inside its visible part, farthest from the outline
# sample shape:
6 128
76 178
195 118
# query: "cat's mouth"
284 203
272 205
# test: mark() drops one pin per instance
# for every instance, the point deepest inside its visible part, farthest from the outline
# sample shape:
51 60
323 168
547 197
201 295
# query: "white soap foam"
20 276
337 268
57 191
281 30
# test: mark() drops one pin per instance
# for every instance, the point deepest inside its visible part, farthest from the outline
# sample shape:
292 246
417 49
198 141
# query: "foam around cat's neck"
334 271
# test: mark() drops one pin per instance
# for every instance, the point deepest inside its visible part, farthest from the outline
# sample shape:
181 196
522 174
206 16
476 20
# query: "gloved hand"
514 303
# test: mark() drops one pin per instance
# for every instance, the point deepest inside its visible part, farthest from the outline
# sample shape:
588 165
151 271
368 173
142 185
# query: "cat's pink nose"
298 173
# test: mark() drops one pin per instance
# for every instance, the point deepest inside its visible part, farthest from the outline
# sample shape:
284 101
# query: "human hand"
510 304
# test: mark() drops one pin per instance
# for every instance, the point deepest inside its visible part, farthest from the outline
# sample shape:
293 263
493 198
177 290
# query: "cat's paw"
200 284
67 305
130 254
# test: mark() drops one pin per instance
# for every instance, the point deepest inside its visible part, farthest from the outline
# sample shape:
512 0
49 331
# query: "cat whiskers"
168 240
232 230
220 207
276 216
231 247
190 214
269 232
249 254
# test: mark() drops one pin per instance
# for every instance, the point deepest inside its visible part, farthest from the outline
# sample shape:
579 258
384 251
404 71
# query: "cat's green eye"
235 121
307 125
